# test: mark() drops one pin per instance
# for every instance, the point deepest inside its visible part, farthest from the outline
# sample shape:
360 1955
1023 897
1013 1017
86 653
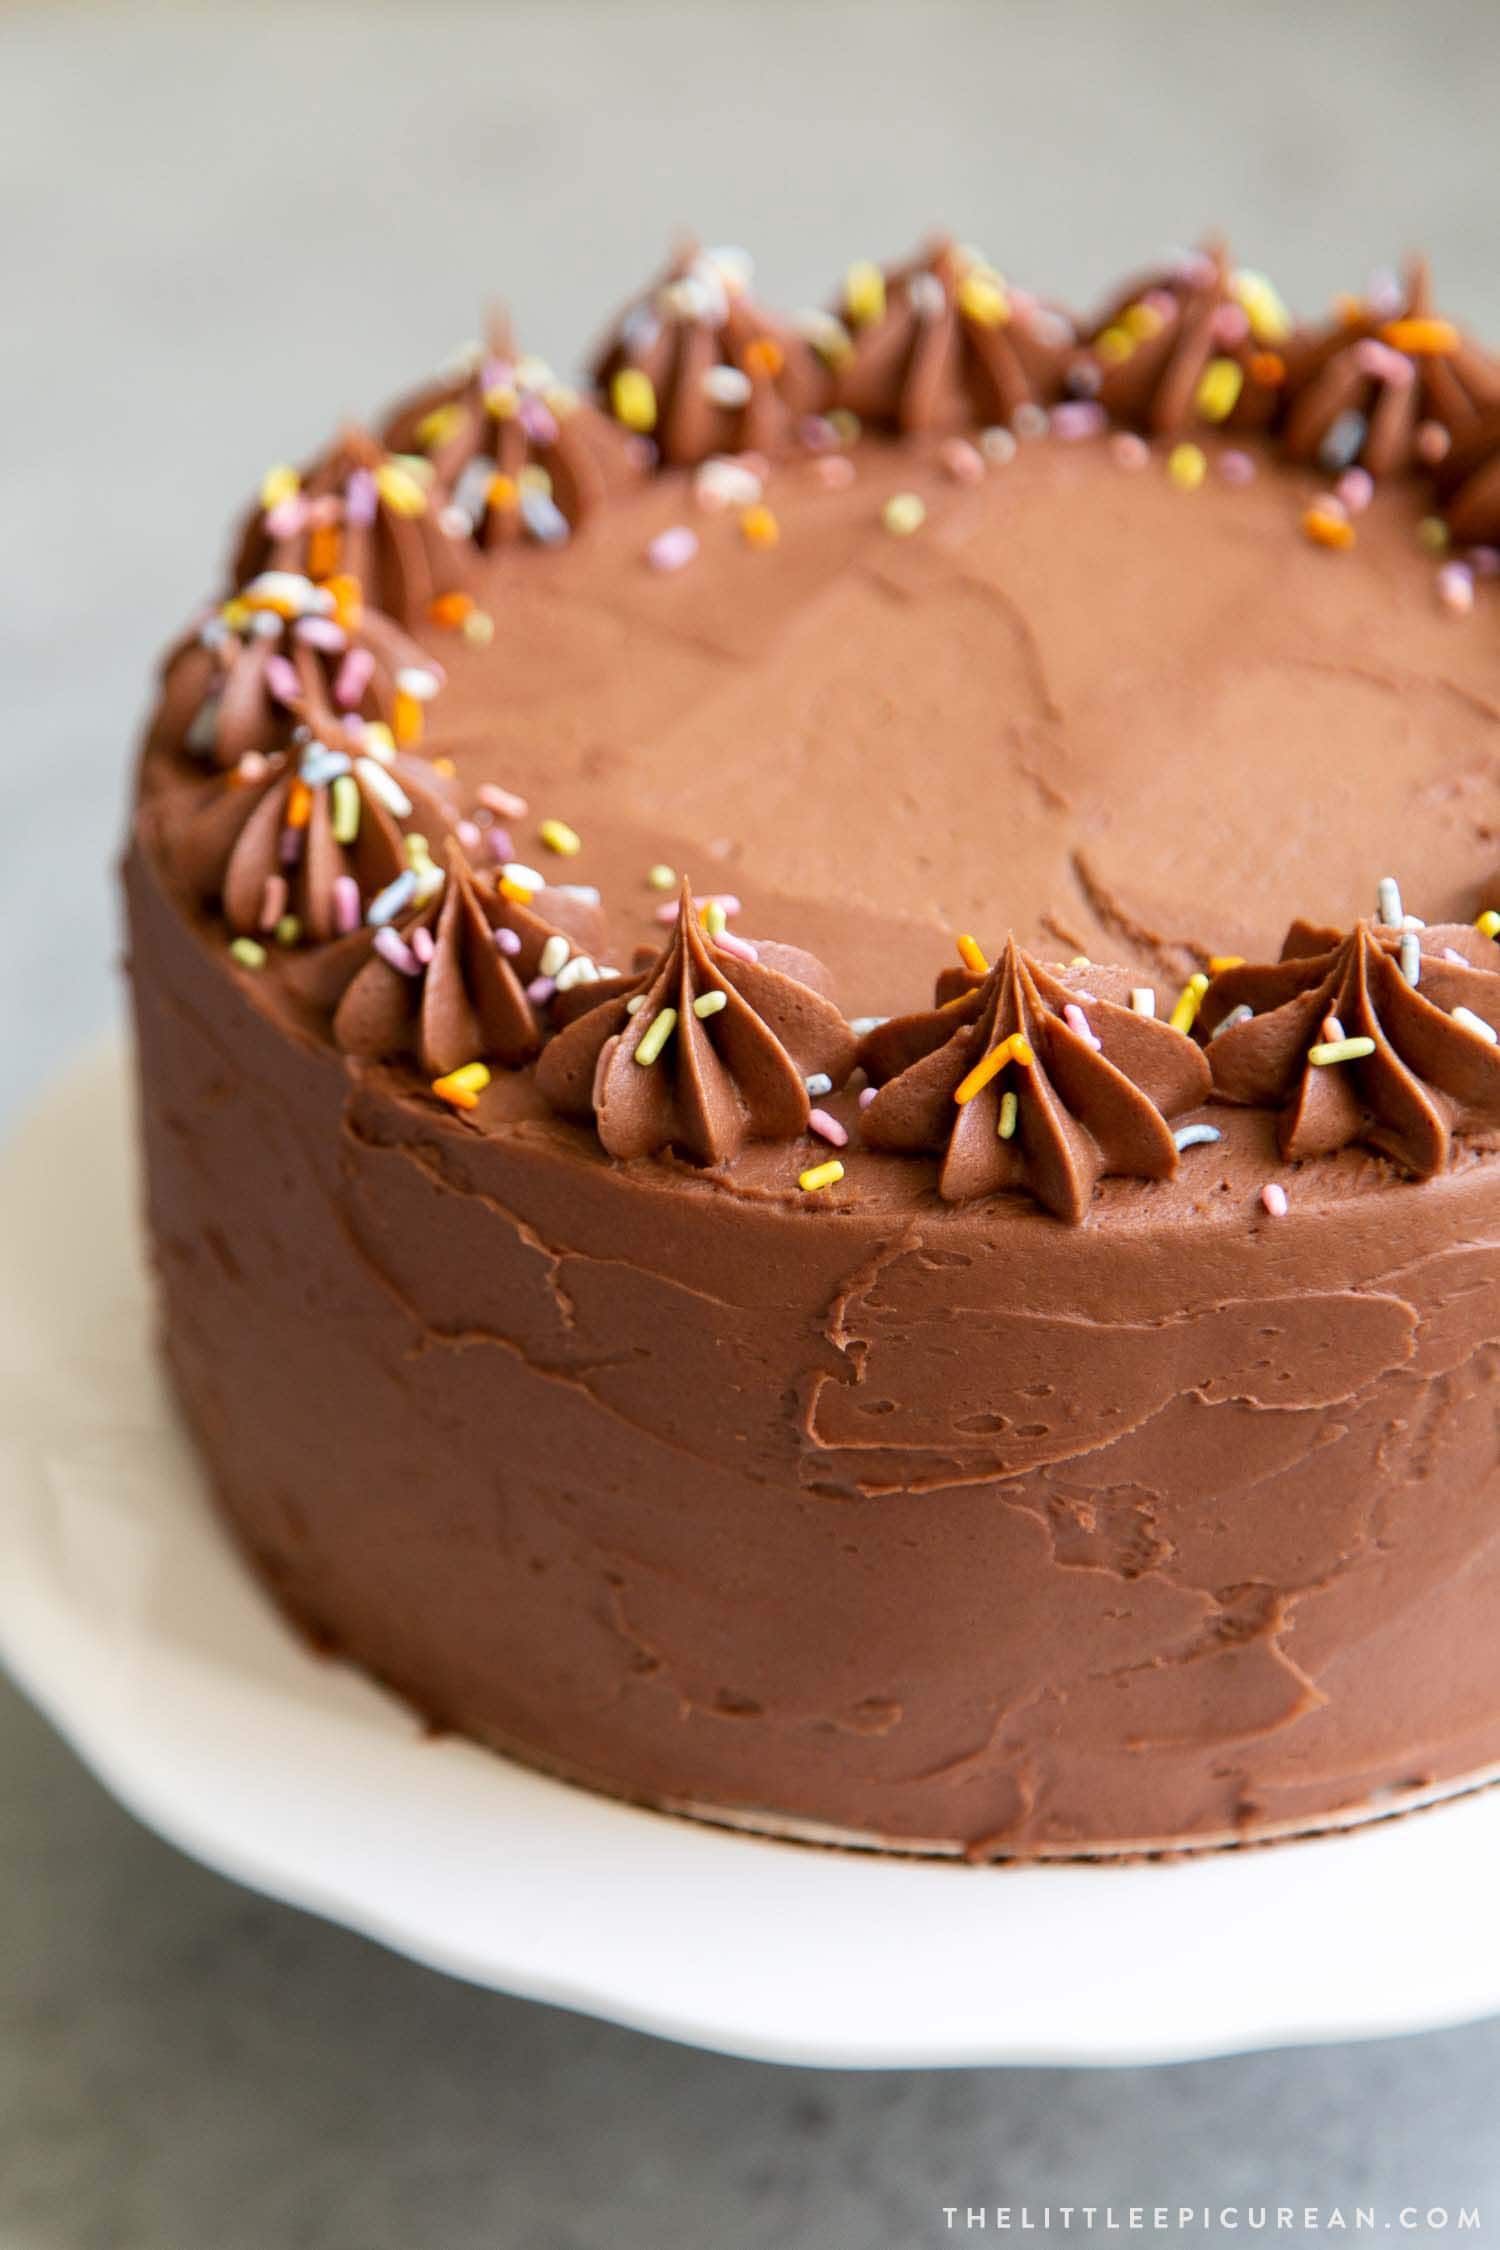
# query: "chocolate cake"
818 1064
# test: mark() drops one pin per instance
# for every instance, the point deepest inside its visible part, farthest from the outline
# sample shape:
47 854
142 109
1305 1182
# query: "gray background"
219 229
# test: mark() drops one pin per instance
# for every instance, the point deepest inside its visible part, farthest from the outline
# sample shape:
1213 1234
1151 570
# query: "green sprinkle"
1433 534
1339 1051
248 954
345 809
661 877
656 1035
288 930
1009 1108
709 1003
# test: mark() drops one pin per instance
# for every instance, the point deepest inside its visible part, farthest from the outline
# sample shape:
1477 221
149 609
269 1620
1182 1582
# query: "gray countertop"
221 229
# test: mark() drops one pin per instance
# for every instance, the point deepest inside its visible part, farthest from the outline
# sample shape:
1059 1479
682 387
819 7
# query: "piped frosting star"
1338 1037
1197 344
709 1047
1025 1081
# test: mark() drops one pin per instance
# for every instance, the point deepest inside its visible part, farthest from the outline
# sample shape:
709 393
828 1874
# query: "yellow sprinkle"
1219 387
710 1003
462 1087
1219 962
1140 322
278 484
400 490
1325 529
1270 322
1114 346
406 722
845 424
656 1035
534 478
758 527
248 954
1010 1109
903 514
378 742
479 627
345 795
970 955
1017 1048
503 401
661 877
236 614
437 427
288 930
1432 533
560 838
714 918
864 292
1488 924
981 297
1187 466
1189 1001
1428 338
1330 1051
632 394
820 1176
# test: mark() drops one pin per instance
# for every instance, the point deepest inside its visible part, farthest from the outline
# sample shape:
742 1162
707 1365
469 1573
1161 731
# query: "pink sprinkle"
1356 488
1130 451
672 549
538 421
1455 585
422 944
282 679
867 1095
1236 468
1089 999
836 470
1383 365
361 499
817 433
1432 443
289 848
756 463
1333 1031
1231 324
273 901
354 676
726 899
1273 1196
287 518
1484 561
963 462
829 1127
740 947
394 950
503 801
321 632
509 942
1078 1023
1077 418
540 990
345 904
502 844
1451 953
468 835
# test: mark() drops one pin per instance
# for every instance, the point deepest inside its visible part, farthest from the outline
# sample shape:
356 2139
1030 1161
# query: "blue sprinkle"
544 519
820 1083
1196 1136
387 904
321 765
1346 434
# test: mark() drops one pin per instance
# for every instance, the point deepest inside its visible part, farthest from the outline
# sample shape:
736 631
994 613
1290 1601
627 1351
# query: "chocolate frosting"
1194 344
284 655
259 844
731 1072
1093 1085
517 453
1380 372
462 994
706 369
944 343
358 514
1468 480
1427 1078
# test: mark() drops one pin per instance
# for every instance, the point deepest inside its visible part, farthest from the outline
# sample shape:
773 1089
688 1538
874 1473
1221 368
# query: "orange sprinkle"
348 600
1326 530
501 492
298 804
450 609
1268 369
511 889
763 356
1017 1048
322 550
759 527
444 766
1219 962
406 722
1430 338
970 955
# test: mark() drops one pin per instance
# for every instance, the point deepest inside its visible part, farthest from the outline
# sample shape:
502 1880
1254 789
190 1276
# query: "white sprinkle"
862 1026
554 953
580 970
526 877
381 784
1143 999
819 1083
727 386
1476 1024
635 1003
1195 1136
417 682
1411 957
587 894
1388 902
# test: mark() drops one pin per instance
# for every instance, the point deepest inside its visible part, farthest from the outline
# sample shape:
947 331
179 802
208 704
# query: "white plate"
126 1616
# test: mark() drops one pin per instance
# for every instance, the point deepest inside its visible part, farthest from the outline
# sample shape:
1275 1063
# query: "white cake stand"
129 1620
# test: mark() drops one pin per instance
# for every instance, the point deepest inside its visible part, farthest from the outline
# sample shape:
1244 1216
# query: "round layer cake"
818 1055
